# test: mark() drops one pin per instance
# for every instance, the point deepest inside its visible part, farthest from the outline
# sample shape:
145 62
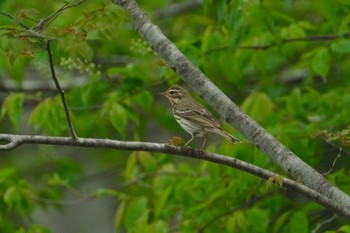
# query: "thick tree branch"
281 155
17 140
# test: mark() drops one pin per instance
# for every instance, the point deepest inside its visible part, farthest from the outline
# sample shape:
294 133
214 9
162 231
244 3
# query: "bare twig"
16 140
334 162
57 84
321 224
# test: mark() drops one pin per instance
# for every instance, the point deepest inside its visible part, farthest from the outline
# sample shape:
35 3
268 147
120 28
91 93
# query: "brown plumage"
194 117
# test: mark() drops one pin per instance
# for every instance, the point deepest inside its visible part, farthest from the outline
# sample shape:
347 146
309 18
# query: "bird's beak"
161 93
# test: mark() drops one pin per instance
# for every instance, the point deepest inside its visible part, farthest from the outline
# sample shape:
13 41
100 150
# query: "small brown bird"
192 116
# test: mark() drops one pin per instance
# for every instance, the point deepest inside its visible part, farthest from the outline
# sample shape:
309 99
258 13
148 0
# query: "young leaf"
321 62
119 118
341 46
12 105
119 216
298 223
135 210
144 99
160 202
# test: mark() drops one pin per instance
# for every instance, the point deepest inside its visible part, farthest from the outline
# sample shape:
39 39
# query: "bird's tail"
227 136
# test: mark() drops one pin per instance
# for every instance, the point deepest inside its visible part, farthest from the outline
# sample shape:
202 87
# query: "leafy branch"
36 30
14 141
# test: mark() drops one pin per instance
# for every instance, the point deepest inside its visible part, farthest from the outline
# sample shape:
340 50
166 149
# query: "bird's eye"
172 92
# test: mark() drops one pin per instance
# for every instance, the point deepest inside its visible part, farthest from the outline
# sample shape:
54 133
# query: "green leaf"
344 229
144 99
134 116
12 197
7 173
262 224
293 31
341 46
131 83
110 192
39 115
131 167
236 222
134 211
321 62
84 50
49 115
12 105
161 201
345 2
280 223
157 227
298 223
37 229
16 199
258 105
56 180
221 10
147 160
119 118
120 215
295 104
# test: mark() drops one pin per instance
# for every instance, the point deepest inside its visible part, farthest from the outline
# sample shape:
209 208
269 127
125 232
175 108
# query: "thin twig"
44 22
321 224
62 202
63 98
334 162
11 17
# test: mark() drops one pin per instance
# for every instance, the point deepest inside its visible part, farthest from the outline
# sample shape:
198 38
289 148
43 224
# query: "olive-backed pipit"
194 117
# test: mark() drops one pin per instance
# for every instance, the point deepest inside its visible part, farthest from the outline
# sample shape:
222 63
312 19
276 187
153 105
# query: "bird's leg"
190 140
203 144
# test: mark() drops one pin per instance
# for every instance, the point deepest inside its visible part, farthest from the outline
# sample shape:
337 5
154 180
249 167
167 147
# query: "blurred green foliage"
285 63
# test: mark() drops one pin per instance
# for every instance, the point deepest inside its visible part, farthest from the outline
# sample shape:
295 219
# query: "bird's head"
175 94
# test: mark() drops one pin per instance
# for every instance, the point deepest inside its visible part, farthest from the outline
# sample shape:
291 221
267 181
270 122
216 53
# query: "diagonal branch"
63 98
11 17
17 140
263 140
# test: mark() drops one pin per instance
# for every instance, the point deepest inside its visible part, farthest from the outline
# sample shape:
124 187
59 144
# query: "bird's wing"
198 114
